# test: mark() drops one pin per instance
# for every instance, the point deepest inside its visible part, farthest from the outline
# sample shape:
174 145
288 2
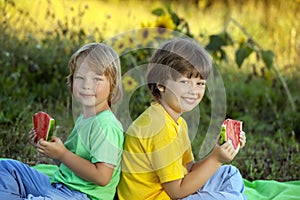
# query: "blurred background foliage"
255 46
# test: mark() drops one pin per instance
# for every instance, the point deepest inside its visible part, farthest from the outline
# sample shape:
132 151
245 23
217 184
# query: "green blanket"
273 190
256 190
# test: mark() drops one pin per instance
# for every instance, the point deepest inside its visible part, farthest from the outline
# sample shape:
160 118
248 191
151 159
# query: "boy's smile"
182 95
190 100
85 95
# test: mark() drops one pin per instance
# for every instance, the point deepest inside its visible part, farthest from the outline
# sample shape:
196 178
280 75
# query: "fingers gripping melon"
44 126
231 130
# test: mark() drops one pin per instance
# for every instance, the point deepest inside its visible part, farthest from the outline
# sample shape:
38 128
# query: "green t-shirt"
97 139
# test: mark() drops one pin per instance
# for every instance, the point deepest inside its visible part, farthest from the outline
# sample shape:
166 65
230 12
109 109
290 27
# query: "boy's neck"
174 115
91 112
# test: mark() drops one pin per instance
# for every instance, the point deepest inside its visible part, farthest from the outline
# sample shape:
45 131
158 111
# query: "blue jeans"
225 184
19 181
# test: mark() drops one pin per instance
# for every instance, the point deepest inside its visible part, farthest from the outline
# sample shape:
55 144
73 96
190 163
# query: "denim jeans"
19 181
225 184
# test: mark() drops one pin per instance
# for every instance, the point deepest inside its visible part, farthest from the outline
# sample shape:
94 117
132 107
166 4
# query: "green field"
38 37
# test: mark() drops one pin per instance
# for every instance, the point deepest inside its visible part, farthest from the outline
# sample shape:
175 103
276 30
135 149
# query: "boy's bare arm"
200 172
98 173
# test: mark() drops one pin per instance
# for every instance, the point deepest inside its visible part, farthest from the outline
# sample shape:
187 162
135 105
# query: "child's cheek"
75 91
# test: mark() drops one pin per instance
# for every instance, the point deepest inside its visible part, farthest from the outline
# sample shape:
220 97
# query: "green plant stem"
285 87
243 30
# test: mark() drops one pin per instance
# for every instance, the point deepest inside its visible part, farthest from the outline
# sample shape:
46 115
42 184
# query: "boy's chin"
188 108
88 104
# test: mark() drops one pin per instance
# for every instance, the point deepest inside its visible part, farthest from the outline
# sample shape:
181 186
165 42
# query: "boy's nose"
193 87
87 84
193 91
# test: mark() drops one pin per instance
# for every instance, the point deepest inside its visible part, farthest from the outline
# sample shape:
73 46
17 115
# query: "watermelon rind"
51 129
223 137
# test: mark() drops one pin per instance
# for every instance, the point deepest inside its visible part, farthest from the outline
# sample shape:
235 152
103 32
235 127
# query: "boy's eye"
201 83
78 77
184 81
98 79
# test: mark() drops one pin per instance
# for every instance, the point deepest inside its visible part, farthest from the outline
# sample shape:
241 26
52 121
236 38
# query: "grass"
35 54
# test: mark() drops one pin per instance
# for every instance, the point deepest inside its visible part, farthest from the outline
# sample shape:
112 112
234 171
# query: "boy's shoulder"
153 121
107 119
152 115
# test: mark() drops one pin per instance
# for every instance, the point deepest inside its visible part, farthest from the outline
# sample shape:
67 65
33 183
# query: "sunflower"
120 45
129 83
241 40
165 21
129 41
123 43
145 36
164 24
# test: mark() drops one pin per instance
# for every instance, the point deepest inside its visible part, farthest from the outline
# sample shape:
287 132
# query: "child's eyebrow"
78 73
99 74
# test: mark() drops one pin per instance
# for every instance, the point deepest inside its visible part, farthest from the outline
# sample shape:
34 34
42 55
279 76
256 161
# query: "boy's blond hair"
103 60
174 58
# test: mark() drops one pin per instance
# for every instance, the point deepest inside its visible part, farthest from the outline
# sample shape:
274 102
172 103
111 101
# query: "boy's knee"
230 169
8 163
234 175
232 172
5 163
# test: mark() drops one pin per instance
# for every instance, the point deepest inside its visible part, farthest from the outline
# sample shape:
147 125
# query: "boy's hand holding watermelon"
230 140
232 130
43 127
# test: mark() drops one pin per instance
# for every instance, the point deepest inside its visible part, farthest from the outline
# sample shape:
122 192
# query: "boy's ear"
160 87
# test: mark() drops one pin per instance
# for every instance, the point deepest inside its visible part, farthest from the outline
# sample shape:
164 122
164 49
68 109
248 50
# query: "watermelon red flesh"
42 123
233 129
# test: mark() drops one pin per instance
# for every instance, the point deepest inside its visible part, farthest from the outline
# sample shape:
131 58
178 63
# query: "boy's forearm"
199 174
80 166
84 168
206 167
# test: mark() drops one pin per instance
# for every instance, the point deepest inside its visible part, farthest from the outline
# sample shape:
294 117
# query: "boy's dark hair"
177 57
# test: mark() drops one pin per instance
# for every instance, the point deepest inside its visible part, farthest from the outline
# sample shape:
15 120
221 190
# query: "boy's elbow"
104 174
176 196
174 189
102 182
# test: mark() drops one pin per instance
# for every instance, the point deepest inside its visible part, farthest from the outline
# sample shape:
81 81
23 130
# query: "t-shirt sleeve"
172 172
106 141
188 156
169 159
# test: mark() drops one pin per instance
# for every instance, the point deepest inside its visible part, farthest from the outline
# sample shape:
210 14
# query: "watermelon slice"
231 130
44 126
